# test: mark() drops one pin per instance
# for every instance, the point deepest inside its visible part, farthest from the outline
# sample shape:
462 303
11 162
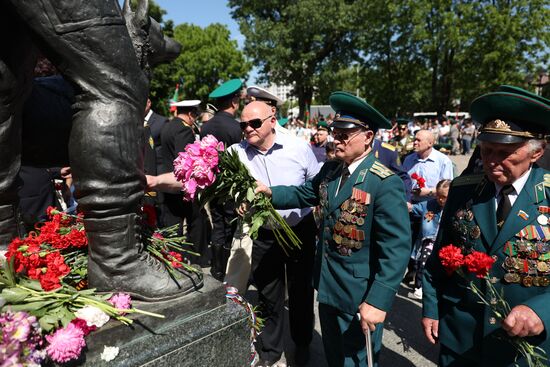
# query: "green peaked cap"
511 115
226 89
352 111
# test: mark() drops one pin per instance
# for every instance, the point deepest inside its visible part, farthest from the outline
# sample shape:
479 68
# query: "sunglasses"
343 136
254 123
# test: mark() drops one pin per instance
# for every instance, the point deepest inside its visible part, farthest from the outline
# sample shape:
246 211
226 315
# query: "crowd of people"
369 200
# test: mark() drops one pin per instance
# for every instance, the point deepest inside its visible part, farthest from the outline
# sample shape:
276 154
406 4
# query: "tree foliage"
208 57
293 42
404 56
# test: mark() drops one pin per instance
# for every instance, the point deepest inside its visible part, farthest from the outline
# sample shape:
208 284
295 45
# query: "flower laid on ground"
20 339
109 353
92 315
65 344
479 264
420 181
66 315
210 172
121 301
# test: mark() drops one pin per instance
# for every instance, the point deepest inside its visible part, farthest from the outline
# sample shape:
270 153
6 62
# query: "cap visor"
501 138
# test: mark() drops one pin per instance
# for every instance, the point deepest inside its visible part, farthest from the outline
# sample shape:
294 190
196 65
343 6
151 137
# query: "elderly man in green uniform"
503 212
365 241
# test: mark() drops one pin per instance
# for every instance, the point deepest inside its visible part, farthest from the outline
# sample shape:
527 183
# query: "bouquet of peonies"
210 172
479 263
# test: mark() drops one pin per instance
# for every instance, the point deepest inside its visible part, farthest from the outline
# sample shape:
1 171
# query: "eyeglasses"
343 136
254 123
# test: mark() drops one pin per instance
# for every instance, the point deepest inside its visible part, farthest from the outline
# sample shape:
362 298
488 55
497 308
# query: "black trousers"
270 264
223 224
175 210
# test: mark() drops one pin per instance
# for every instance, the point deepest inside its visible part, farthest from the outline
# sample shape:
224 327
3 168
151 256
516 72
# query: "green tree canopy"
293 42
208 57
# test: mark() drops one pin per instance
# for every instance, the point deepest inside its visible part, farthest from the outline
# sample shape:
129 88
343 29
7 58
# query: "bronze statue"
107 60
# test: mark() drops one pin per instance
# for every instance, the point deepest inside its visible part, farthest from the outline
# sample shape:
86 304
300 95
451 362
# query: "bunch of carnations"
65 315
20 340
479 263
56 250
420 181
168 248
212 173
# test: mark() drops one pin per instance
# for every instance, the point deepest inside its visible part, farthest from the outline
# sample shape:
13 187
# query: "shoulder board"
388 146
380 170
473 179
468 180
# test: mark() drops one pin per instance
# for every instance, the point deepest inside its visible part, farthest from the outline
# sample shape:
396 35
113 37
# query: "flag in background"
175 97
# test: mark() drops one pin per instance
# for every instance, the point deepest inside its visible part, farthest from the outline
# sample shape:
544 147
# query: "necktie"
345 176
504 204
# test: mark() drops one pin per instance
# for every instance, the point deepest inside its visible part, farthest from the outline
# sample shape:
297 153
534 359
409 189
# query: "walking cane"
368 342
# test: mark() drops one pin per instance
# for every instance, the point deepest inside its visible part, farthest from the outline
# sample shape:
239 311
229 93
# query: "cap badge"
498 125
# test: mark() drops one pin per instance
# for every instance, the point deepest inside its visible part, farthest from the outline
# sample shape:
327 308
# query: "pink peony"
65 344
198 165
121 301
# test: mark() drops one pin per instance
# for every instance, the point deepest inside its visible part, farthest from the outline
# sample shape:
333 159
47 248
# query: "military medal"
542 220
527 281
360 221
475 232
542 267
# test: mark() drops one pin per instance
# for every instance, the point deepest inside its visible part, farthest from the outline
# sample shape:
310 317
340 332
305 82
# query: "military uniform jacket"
224 128
521 251
364 243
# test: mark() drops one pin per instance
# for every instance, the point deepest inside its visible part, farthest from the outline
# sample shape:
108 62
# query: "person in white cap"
255 93
175 136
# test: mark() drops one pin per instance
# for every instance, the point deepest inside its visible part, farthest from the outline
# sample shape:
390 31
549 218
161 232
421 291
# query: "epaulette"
388 146
380 170
468 180
547 179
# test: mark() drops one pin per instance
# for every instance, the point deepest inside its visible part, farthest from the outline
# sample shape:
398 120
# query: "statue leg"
88 41
17 58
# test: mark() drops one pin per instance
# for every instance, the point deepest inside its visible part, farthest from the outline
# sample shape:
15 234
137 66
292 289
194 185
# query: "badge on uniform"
523 215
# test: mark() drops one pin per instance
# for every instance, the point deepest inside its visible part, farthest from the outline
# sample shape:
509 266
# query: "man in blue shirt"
428 163
279 159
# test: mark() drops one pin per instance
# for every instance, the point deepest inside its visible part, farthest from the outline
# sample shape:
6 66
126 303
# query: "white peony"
93 316
109 353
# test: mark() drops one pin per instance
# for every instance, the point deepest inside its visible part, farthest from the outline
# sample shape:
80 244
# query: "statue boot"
118 261
9 226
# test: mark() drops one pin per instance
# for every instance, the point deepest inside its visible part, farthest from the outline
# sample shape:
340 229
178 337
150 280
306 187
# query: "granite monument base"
201 329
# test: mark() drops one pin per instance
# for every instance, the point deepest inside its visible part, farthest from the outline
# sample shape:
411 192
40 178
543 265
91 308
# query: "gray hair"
536 144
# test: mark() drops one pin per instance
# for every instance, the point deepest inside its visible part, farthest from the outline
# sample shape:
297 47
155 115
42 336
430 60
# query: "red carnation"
175 258
451 258
479 263
49 281
83 325
415 176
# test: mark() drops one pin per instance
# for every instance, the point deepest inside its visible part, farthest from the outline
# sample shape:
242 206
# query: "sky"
203 13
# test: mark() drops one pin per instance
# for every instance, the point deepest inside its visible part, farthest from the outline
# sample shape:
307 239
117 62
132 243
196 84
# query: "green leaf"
31 306
48 322
14 295
250 194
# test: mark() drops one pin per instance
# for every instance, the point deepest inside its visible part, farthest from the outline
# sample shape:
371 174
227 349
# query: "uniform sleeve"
391 242
304 196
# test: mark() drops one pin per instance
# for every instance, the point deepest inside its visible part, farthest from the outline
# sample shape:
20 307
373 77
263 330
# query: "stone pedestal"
200 329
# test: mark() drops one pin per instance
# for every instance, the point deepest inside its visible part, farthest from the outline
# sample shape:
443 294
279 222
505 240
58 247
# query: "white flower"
3 255
93 316
109 353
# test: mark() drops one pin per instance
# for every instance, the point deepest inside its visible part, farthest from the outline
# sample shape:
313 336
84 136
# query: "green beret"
352 112
322 125
511 115
227 89
282 121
